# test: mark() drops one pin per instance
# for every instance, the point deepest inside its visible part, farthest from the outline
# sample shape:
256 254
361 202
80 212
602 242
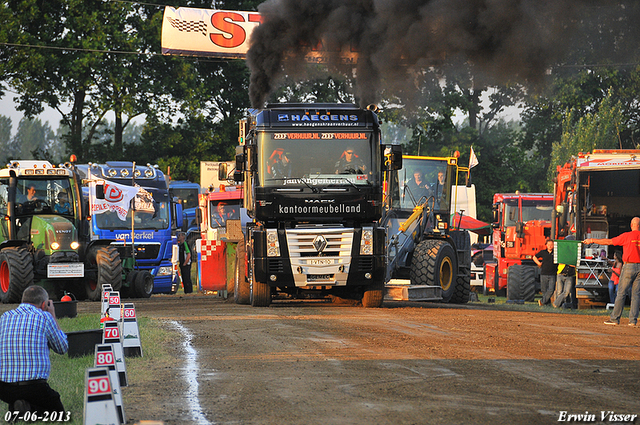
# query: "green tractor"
44 235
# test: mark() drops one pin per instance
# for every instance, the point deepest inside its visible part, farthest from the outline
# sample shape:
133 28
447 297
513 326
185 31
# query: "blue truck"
154 227
187 193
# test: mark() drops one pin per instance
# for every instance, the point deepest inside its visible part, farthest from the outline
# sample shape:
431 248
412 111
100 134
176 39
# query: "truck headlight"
164 271
273 246
55 245
366 241
75 245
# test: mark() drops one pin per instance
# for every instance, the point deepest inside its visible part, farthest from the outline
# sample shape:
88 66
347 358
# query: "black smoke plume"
514 40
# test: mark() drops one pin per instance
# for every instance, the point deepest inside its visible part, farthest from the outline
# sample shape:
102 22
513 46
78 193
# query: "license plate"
65 270
323 262
319 277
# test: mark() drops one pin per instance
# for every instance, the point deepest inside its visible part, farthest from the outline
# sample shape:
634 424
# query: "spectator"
565 283
548 270
615 276
26 335
630 273
184 256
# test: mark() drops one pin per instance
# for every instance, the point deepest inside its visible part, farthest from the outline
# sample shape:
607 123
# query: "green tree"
5 139
34 140
600 129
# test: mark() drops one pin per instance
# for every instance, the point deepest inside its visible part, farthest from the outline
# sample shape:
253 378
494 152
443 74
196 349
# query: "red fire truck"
521 224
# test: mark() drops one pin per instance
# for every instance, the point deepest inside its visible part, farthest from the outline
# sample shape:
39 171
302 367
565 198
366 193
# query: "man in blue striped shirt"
26 335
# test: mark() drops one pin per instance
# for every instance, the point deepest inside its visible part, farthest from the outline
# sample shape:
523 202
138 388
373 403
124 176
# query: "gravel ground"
405 363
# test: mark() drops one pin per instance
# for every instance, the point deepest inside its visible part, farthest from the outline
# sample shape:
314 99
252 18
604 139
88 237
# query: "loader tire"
143 284
16 273
373 295
462 289
434 263
521 283
240 286
107 260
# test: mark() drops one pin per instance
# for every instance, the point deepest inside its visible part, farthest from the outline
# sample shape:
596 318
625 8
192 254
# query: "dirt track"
315 363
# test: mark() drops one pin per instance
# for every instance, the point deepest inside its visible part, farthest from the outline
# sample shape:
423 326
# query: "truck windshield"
187 197
531 210
422 179
317 158
39 196
221 211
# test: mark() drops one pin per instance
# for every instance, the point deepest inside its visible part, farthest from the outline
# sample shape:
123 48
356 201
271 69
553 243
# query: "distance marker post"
99 404
104 301
130 331
105 357
111 335
115 306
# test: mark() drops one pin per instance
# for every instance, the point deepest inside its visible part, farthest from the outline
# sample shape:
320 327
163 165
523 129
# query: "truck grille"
301 242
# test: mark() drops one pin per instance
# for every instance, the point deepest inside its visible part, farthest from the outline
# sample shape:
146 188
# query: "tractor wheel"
107 261
434 264
373 295
241 286
462 289
128 290
521 283
143 285
16 273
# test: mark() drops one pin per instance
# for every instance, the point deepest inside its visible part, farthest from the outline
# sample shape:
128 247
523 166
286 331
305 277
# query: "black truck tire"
240 284
16 273
260 293
434 263
143 284
107 260
521 283
373 295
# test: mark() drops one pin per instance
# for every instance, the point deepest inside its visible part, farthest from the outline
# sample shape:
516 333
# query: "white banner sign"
207 32
117 198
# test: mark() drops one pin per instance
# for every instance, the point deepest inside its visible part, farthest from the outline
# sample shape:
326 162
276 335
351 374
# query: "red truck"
521 224
596 196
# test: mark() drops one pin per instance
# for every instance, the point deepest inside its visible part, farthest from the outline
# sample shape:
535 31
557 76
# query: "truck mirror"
99 191
520 229
222 171
240 158
392 158
199 215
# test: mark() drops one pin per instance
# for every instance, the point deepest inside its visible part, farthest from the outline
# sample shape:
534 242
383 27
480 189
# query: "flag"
473 159
117 198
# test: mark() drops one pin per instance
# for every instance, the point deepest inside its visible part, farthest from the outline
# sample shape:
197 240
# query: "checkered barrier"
189 26
212 265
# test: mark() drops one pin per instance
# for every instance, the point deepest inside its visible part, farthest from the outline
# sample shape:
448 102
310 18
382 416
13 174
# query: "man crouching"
26 334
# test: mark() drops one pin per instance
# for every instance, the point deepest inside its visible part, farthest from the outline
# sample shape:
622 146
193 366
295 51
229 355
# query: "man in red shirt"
630 274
